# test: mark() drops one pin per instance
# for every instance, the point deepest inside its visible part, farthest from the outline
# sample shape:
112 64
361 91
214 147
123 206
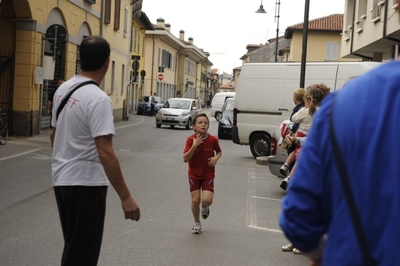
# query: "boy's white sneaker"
205 211
196 228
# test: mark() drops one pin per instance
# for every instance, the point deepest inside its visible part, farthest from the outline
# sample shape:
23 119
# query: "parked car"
144 106
278 155
178 112
218 101
226 120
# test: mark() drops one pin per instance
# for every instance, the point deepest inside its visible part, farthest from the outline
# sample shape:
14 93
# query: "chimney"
182 35
190 40
168 27
161 22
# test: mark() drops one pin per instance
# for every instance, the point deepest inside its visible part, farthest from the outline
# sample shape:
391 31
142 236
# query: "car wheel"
188 123
260 145
218 116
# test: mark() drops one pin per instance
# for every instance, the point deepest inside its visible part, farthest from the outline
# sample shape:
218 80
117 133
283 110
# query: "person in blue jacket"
315 216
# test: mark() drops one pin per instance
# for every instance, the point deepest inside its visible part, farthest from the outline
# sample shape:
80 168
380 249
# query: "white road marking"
251 217
130 125
20 154
266 229
265 198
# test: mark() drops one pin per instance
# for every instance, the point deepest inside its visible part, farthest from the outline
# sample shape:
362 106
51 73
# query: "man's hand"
48 112
131 209
315 262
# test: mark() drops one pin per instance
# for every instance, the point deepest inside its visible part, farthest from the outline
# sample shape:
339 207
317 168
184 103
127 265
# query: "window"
117 14
122 79
331 51
126 22
138 42
376 9
166 59
112 77
134 39
107 11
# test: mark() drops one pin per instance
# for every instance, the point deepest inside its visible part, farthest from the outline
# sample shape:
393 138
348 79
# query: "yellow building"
174 67
140 24
324 38
41 45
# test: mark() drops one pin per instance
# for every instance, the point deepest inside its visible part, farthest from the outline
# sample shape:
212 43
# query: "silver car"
178 112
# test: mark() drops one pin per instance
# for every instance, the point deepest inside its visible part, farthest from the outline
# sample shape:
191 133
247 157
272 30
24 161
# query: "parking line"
251 217
266 229
20 154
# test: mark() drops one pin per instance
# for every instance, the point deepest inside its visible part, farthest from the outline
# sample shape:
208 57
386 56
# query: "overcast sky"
225 27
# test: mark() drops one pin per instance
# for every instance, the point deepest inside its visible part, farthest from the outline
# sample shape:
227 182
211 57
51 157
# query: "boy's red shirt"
198 164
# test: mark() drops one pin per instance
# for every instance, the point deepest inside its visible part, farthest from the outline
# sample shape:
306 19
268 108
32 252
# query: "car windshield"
177 104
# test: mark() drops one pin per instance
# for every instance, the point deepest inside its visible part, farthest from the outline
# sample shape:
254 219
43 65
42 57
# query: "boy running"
202 151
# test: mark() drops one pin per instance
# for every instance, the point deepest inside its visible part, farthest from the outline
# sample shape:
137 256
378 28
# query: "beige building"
140 25
371 30
323 44
174 67
41 46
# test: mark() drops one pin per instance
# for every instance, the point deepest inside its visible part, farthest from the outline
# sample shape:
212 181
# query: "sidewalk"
17 145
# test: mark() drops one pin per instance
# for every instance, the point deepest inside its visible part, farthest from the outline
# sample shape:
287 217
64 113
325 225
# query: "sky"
224 28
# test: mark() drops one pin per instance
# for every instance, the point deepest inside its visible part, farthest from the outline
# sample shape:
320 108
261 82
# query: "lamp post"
277 15
304 48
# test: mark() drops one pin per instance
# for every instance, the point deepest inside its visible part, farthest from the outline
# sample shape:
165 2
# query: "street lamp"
304 48
277 12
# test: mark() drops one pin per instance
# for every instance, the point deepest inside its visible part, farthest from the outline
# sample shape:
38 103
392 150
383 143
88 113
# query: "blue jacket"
367 126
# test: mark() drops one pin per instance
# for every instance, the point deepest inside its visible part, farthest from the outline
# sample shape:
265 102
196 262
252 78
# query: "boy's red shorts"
204 184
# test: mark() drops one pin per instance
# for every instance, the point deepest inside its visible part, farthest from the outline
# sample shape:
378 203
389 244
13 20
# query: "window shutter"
117 14
107 11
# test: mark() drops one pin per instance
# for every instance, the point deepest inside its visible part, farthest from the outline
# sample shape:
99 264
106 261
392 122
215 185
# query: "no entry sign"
160 76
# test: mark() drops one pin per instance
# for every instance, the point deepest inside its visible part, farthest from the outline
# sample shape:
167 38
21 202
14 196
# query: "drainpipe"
176 71
152 67
352 36
103 10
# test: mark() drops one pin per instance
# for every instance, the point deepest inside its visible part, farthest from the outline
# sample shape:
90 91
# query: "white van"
264 96
219 100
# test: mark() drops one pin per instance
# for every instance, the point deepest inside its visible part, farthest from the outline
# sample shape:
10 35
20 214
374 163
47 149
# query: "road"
242 228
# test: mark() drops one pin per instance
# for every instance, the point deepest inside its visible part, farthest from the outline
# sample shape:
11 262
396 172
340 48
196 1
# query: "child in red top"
202 151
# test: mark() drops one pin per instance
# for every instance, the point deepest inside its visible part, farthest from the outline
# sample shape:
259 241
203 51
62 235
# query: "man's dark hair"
94 51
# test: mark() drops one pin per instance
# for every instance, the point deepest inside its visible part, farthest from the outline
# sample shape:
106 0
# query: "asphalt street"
242 228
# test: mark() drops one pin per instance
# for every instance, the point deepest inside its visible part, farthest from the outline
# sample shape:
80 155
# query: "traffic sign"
160 76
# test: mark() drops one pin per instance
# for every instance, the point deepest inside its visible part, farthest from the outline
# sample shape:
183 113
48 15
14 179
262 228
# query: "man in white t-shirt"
84 161
153 102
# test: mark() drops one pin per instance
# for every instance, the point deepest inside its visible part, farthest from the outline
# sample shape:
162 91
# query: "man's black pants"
152 109
82 210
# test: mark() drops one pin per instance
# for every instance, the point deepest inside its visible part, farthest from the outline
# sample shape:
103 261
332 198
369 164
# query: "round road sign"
160 76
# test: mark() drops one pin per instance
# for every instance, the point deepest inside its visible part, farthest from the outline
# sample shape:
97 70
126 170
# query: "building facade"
371 30
174 67
42 45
